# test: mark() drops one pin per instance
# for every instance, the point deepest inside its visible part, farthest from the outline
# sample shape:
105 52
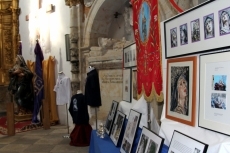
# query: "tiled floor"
40 141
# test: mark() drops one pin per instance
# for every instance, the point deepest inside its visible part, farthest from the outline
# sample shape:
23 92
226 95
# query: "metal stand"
67 136
96 116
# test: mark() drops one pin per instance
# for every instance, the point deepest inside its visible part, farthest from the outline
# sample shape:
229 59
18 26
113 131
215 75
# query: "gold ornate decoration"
9 29
71 3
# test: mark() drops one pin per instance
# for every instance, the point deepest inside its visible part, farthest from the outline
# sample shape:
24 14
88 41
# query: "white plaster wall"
59 26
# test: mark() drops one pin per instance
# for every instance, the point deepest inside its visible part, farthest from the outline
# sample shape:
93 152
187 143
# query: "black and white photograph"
130 53
127 85
173 33
219 82
209 29
117 127
218 100
183 34
195 30
224 21
110 117
149 142
130 131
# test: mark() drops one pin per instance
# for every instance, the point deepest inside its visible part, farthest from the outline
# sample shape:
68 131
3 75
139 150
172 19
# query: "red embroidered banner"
147 37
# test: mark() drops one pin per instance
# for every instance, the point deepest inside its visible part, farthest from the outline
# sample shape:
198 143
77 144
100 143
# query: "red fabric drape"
147 37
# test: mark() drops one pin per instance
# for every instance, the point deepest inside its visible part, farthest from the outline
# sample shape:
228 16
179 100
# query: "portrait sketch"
180 89
209 30
183 34
143 144
224 21
219 82
173 33
218 100
195 30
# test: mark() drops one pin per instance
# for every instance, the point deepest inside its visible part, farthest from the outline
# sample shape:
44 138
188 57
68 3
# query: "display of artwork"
130 131
117 127
110 117
130 56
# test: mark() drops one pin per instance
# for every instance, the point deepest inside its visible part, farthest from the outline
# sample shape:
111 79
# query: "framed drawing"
181 90
134 83
130 56
67 47
127 78
130 131
117 127
214 92
149 142
183 143
110 117
192 31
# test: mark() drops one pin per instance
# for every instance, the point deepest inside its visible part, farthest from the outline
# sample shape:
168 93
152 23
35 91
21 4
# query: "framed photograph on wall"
130 131
127 87
215 92
181 90
183 143
149 142
110 117
134 83
130 56
191 32
117 127
67 47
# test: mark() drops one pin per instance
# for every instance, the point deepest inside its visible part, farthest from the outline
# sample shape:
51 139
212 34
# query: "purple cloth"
38 83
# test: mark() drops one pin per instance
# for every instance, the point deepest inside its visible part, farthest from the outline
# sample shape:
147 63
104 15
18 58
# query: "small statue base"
24 117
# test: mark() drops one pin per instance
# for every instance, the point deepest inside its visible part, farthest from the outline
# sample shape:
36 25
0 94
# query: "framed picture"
134 83
181 90
127 78
117 127
181 142
215 92
149 142
67 46
110 117
130 56
191 32
130 131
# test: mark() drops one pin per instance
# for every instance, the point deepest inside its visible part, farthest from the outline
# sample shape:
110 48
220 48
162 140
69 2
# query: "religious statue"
21 86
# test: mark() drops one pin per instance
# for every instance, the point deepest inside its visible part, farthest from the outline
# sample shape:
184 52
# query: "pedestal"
10 119
46 119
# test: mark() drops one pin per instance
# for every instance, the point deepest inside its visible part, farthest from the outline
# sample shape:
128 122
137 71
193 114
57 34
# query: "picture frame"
214 92
127 86
67 47
181 86
117 127
181 141
149 142
203 23
130 131
110 117
134 83
130 56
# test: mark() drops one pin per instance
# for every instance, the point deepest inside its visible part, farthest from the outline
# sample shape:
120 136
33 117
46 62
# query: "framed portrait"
67 46
181 142
191 32
181 90
134 83
215 92
117 127
127 87
224 21
130 131
130 56
149 142
110 117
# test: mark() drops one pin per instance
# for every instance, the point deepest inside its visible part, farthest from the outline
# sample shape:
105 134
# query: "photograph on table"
127 86
181 90
111 116
195 30
214 93
149 142
134 83
184 143
130 131
224 21
117 127
209 29
129 56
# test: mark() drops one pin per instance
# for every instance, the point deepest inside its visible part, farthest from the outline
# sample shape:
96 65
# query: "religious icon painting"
110 117
181 90
183 34
144 21
195 30
173 34
224 21
209 30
